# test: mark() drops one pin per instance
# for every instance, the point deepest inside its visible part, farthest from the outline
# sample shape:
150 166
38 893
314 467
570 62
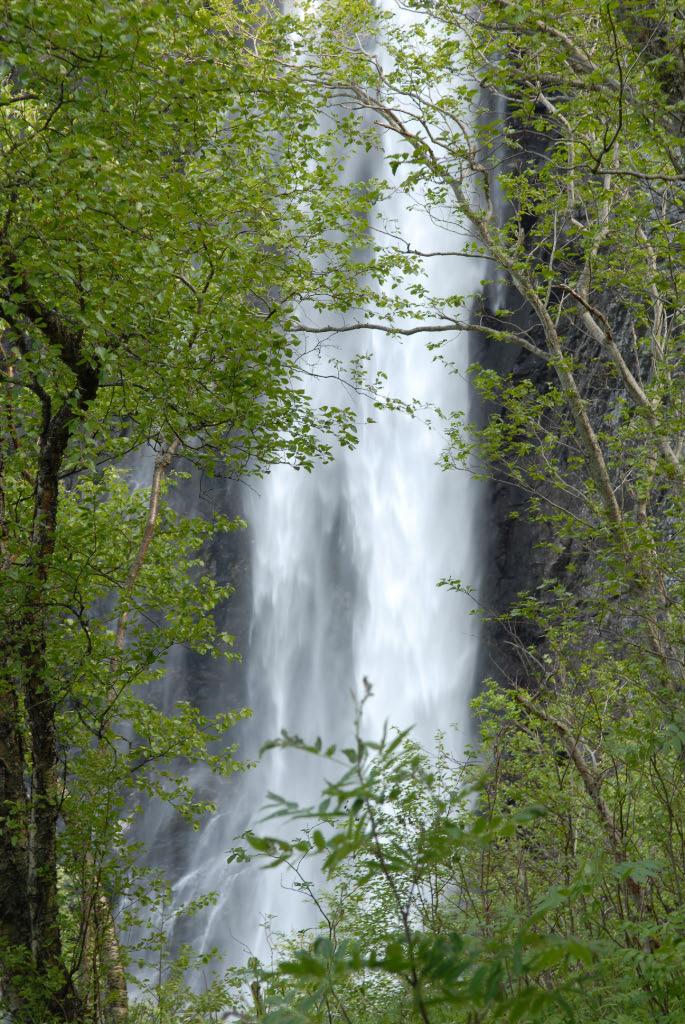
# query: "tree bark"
29 781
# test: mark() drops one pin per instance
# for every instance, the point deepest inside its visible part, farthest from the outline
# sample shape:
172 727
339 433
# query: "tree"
169 187
568 181
573 193
487 888
165 192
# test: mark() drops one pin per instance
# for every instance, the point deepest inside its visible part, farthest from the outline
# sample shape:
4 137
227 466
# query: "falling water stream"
345 566
345 563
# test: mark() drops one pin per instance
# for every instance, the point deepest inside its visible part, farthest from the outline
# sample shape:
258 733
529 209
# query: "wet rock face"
516 552
513 558
214 685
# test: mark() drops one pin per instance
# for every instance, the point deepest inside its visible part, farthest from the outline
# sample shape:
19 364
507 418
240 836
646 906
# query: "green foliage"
447 899
166 193
493 887
172 221
398 833
120 154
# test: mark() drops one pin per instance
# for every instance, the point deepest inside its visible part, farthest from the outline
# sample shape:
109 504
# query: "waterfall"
345 563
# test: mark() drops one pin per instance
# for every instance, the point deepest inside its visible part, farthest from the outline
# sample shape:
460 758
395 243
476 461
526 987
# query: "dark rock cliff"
520 551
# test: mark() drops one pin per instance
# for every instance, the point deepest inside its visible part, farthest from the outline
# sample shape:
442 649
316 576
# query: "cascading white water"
345 566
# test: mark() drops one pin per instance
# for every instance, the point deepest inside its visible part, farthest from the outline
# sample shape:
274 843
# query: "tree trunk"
29 781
